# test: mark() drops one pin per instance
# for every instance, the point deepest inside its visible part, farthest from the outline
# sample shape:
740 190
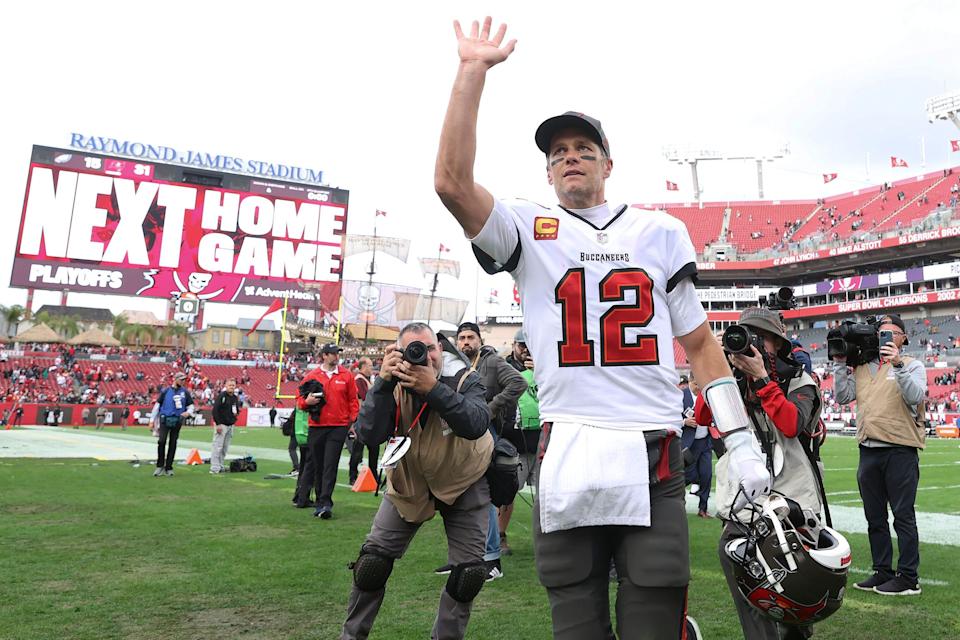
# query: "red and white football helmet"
788 566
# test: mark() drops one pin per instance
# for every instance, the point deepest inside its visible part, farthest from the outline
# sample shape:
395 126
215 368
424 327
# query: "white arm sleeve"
686 312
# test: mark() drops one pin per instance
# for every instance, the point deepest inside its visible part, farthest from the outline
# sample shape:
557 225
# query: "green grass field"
105 550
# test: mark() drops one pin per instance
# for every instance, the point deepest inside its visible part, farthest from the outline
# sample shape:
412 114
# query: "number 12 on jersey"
576 350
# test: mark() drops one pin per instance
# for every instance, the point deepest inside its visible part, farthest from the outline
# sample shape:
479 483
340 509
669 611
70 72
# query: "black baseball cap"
330 348
570 120
893 318
469 326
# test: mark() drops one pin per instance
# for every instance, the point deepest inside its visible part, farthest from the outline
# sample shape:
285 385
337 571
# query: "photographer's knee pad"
466 580
371 570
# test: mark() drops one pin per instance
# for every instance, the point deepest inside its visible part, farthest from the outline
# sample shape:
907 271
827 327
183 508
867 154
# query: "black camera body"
313 388
416 353
737 339
858 341
781 300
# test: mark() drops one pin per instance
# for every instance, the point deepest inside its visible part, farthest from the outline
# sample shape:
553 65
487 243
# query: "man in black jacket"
226 408
439 410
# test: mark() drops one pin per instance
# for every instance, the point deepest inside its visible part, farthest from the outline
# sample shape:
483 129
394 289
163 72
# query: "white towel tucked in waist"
594 476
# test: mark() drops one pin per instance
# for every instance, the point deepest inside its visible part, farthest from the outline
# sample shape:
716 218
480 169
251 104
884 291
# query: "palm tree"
145 333
69 326
121 328
177 331
13 315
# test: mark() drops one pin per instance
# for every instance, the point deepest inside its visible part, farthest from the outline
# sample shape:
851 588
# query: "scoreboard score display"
98 224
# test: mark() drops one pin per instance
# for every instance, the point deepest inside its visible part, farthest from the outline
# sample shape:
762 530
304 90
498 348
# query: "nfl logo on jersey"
602 237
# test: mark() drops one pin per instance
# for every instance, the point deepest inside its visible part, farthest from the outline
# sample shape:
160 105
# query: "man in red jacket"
328 427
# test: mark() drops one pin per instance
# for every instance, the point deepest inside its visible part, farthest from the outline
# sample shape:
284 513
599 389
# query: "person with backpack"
173 405
226 408
526 434
363 378
301 435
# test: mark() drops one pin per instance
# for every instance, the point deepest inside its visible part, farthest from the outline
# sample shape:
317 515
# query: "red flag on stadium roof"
829 177
672 186
276 305
443 248
380 213
955 145
897 162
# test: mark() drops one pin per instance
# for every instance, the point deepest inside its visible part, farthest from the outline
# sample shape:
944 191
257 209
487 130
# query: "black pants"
356 456
292 450
325 444
890 475
173 433
305 481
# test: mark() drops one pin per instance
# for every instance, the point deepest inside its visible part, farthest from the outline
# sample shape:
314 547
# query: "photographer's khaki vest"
439 465
881 412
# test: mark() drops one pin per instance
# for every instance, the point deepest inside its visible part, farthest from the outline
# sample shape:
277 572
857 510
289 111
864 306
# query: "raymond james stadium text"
194 158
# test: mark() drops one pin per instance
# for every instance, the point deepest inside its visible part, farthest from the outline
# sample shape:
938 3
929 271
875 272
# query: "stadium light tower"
944 107
693 156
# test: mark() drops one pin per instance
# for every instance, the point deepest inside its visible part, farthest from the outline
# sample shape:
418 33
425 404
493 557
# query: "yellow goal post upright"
283 335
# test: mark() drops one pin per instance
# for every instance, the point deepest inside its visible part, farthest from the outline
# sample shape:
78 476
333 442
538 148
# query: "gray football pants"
465 523
652 563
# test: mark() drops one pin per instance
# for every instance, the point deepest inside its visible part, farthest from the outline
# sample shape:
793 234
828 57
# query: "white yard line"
927 582
922 466
935 528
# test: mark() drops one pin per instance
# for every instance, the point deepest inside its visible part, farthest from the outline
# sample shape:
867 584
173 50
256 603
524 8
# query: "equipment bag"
502 473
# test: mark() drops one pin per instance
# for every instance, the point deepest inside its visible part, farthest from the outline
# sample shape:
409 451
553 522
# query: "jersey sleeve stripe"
491 266
688 270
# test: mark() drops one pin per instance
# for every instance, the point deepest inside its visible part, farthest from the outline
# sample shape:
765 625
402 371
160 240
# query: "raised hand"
480 47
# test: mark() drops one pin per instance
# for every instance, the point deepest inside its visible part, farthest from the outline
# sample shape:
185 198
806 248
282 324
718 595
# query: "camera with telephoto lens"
737 338
858 341
416 353
781 300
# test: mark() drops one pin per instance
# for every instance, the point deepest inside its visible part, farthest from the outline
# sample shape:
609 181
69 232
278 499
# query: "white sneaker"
694 489
158 472
168 472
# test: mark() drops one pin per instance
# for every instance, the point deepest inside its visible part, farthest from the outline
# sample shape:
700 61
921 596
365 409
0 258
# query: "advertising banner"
117 226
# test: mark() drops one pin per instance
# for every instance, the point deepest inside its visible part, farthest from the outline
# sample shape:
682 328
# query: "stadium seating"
703 224
766 219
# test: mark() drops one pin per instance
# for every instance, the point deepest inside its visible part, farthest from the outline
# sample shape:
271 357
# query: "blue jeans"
492 550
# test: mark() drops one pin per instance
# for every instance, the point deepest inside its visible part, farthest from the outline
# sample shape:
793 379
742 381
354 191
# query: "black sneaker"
494 570
324 513
444 570
872 582
899 586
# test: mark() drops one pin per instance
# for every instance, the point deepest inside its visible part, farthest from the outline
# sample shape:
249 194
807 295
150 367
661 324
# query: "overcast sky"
359 89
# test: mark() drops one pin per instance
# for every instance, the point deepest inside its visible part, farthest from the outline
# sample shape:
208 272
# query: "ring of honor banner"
99 224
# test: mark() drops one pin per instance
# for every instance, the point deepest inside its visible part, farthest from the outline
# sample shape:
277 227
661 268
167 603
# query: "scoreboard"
101 224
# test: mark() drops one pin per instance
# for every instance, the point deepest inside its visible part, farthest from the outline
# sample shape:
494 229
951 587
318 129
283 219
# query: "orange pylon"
194 457
366 481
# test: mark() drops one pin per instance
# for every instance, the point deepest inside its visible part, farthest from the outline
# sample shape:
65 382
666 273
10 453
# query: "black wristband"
756 385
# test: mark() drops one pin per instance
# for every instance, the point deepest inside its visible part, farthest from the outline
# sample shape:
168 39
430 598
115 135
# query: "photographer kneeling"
783 407
428 404
889 389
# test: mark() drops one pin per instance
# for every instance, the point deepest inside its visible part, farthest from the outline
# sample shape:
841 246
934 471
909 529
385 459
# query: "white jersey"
603 292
